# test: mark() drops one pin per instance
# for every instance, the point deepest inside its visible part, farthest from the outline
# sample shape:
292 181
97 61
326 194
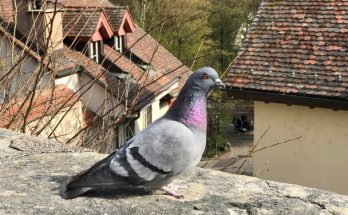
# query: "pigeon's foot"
172 189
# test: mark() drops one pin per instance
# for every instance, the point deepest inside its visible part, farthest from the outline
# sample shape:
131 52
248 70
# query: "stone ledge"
29 184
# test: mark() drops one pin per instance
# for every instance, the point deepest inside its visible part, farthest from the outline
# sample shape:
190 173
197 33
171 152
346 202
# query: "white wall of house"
319 159
97 98
70 81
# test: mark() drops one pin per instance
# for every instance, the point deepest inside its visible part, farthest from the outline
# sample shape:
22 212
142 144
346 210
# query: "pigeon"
170 146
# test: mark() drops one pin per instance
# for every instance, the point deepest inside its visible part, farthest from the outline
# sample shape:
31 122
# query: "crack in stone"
321 206
275 188
243 206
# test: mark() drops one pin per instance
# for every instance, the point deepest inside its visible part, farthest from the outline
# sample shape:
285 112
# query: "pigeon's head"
205 79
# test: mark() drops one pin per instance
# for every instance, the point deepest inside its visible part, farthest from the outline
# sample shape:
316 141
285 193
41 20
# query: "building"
294 66
118 76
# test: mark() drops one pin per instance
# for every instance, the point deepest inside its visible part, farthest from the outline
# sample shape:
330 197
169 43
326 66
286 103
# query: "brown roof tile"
295 47
123 63
46 103
80 23
86 3
152 83
115 15
115 85
150 51
6 10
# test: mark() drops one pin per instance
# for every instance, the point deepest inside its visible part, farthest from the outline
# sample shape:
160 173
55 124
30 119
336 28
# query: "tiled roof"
152 83
150 51
86 3
295 47
115 15
6 11
115 85
80 23
125 64
46 103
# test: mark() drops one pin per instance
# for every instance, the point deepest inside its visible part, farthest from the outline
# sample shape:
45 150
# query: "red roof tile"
150 51
82 23
115 85
295 47
153 84
115 15
123 63
46 103
6 10
86 3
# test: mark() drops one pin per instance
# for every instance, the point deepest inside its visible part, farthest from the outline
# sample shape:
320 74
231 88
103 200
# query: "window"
119 43
125 133
94 50
35 5
147 116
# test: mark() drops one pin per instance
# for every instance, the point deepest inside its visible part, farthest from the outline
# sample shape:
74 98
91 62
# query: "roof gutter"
289 99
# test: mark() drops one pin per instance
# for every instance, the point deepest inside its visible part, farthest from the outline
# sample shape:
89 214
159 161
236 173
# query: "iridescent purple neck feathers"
196 115
191 111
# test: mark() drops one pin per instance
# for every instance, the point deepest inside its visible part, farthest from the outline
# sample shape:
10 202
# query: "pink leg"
172 189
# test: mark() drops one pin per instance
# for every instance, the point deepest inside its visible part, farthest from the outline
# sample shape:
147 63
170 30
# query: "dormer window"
35 5
95 51
119 43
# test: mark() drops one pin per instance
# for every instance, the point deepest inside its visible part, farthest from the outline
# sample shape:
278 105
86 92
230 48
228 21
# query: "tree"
209 26
184 25
226 19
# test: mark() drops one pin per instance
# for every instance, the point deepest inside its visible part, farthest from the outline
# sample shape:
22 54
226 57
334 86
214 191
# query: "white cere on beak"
219 83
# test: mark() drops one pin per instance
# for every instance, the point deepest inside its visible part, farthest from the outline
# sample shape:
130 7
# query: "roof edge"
289 99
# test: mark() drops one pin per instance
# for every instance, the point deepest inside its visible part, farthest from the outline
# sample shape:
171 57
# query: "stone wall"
32 169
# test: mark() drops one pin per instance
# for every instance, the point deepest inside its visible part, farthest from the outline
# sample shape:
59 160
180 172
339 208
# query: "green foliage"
184 27
226 19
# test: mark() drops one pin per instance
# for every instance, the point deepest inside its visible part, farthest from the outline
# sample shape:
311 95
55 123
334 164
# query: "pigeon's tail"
70 193
98 176
78 185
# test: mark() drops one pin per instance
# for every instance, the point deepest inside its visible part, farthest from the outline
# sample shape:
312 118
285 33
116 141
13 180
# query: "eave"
127 24
289 99
104 26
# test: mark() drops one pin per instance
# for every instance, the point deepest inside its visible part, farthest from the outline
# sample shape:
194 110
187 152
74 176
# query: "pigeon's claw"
172 189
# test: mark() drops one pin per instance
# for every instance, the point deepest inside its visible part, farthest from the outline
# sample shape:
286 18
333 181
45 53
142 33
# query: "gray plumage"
168 147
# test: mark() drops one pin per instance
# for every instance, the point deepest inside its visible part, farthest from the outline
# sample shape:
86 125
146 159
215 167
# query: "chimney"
40 21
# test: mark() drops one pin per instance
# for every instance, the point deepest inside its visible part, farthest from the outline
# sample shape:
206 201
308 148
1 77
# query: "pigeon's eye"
205 76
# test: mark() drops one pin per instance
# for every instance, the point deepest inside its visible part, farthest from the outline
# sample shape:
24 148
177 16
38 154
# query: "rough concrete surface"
30 180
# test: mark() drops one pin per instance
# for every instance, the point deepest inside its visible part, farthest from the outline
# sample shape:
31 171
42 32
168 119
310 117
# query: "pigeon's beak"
218 83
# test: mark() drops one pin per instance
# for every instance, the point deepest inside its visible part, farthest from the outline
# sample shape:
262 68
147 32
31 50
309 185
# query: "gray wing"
165 148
